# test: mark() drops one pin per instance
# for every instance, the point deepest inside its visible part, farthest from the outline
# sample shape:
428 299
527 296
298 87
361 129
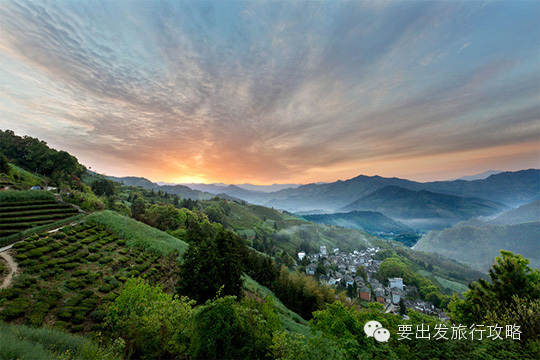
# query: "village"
357 273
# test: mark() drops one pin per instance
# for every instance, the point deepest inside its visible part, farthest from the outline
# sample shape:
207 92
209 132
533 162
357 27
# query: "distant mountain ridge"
402 203
481 176
183 191
510 188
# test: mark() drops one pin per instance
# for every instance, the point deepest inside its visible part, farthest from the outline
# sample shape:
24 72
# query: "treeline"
36 156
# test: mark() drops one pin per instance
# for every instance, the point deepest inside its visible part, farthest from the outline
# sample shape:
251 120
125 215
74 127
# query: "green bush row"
21 235
28 195
60 209
27 206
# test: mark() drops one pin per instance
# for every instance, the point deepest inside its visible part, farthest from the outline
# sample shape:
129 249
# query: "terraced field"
66 277
22 210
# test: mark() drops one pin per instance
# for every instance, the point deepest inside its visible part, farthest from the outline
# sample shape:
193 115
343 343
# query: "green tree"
214 266
227 329
4 165
152 323
513 287
138 208
103 187
164 217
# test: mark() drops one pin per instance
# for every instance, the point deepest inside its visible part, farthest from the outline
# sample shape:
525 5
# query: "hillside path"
12 265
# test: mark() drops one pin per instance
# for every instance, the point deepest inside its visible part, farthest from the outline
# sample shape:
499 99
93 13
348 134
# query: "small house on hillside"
396 283
379 296
365 293
397 295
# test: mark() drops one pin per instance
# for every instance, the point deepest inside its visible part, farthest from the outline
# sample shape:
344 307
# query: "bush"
105 260
91 278
77 328
93 257
79 272
10 293
15 309
98 316
74 284
69 266
59 324
64 314
58 235
37 314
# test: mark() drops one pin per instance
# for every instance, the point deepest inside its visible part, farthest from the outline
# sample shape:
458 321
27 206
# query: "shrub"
64 314
40 243
27 262
77 319
55 245
19 245
74 284
15 309
105 260
37 314
91 278
58 235
79 272
106 288
10 293
77 328
35 253
59 324
89 303
110 297
26 282
69 266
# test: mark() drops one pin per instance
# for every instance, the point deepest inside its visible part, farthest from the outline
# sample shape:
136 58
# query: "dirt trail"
12 265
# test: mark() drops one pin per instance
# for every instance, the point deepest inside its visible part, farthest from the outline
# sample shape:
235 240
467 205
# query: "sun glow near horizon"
250 92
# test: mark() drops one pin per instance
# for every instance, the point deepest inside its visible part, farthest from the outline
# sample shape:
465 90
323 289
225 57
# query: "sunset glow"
276 92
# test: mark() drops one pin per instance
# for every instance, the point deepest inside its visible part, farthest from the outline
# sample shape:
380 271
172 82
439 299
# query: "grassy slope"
23 342
25 196
291 320
139 234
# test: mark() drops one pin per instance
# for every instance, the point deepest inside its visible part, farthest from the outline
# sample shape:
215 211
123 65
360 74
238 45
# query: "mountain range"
431 205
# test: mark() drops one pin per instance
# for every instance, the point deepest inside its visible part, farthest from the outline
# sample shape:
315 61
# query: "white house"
301 255
396 283
397 294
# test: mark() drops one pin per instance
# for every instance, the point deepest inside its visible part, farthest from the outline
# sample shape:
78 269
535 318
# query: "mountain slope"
369 221
477 246
402 203
525 213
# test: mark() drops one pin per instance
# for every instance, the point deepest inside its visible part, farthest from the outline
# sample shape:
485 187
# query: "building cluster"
359 269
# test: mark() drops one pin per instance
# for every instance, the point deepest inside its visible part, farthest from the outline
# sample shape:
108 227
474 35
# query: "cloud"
464 46
259 91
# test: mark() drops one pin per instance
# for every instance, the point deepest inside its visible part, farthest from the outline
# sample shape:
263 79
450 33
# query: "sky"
276 92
